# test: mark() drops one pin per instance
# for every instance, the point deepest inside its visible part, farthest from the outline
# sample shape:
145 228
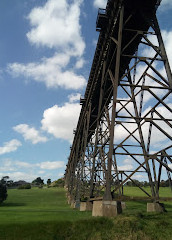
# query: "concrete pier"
86 206
106 208
72 204
155 207
123 205
69 199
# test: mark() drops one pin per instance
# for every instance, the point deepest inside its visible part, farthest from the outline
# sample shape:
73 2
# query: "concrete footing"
69 200
65 187
123 205
86 206
155 207
77 204
106 208
72 204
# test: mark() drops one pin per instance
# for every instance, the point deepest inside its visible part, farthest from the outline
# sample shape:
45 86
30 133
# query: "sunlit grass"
33 205
43 214
136 192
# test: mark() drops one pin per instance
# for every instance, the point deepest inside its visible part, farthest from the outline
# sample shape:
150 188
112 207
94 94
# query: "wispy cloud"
51 165
125 167
10 146
20 170
50 71
7 164
74 97
30 133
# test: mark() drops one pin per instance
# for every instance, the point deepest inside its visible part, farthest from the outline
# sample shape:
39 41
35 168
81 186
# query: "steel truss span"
125 126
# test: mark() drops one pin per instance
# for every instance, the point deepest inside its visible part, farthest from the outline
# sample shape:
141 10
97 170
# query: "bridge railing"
101 19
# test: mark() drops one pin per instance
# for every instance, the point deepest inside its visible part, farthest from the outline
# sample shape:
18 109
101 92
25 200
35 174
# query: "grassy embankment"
43 214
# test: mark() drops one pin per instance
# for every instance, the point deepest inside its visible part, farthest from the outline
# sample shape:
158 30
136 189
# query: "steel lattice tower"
126 113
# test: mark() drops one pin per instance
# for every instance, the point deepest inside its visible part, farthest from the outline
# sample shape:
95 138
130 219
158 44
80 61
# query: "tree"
10 183
4 180
58 183
26 186
164 183
3 189
3 192
38 181
48 181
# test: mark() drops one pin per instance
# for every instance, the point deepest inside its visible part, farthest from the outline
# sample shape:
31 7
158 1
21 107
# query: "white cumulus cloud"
165 4
60 121
30 133
55 25
10 146
100 3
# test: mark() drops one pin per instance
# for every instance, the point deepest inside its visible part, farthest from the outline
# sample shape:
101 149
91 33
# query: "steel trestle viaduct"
125 125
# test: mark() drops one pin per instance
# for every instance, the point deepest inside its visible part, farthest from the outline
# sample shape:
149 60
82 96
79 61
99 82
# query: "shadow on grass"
141 227
12 204
136 205
88 229
168 205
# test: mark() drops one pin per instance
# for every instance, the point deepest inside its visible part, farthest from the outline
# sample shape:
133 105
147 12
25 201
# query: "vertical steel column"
76 195
108 195
97 131
81 186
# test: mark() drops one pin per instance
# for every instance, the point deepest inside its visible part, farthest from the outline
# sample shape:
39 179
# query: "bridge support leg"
115 81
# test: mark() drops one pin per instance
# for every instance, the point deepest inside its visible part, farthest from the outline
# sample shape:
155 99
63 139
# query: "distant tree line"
163 183
58 183
37 182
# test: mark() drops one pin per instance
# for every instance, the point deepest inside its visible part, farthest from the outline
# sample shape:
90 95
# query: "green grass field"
43 214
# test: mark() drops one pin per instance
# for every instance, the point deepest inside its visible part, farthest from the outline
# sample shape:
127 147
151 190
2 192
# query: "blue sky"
46 52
